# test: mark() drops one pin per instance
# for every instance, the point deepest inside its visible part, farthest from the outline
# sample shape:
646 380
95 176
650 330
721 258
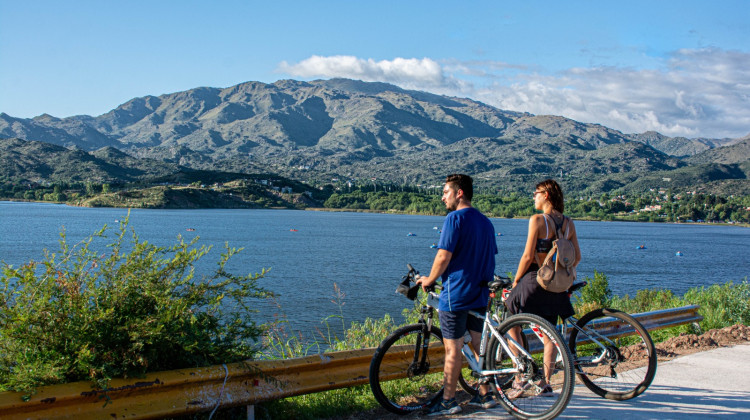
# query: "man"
465 259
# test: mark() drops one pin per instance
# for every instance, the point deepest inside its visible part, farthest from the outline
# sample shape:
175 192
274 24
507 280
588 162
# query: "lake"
365 254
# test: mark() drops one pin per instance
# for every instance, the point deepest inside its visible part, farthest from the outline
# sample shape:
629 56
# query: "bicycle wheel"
398 379
532 403
624 365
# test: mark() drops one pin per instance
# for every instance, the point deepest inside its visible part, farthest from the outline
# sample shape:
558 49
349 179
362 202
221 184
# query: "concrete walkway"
709 385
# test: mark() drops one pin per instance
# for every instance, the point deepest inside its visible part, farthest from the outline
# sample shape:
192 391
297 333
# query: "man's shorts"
454 324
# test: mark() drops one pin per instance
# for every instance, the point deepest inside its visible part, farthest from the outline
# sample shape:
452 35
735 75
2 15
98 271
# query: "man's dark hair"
462 182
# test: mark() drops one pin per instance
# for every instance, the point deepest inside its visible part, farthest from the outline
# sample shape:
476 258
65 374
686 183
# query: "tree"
92 189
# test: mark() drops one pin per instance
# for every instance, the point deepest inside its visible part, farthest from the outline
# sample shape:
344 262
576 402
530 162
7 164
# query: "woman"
527 295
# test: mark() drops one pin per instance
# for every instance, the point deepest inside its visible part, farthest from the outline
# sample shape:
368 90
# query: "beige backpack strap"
546 232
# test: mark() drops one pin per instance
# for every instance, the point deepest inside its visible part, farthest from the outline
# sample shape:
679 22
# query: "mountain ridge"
342 127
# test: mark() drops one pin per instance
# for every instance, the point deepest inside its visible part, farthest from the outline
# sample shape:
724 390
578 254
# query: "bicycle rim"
400 385
624 366
531 404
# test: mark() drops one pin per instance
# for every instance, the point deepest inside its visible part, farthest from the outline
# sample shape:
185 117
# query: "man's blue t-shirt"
470 236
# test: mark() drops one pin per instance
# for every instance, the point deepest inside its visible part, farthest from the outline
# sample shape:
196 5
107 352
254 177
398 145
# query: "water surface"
365 254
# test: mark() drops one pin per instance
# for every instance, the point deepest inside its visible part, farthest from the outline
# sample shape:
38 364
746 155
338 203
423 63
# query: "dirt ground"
667 350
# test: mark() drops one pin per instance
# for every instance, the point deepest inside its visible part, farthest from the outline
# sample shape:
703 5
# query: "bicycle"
607 346
406 369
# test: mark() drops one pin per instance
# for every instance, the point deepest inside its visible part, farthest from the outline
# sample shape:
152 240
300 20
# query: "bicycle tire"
530 404
415 391
630 362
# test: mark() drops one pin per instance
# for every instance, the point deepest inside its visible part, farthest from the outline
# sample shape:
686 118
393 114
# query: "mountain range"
345 129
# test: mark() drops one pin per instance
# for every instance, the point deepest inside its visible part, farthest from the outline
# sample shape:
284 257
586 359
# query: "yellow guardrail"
187 391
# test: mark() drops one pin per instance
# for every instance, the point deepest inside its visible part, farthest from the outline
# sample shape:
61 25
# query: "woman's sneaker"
484 401
444 407
547 391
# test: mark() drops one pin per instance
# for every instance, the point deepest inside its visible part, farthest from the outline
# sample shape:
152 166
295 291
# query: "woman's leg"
550 353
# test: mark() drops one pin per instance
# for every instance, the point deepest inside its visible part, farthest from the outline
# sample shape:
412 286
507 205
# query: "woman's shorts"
529 297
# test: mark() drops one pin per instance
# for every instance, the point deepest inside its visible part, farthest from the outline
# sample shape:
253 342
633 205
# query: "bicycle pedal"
482 380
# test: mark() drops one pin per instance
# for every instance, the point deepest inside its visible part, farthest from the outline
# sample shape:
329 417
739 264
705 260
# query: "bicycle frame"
488 329
590 334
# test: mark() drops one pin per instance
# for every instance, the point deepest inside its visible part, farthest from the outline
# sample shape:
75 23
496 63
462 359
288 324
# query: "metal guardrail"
187 391
665 318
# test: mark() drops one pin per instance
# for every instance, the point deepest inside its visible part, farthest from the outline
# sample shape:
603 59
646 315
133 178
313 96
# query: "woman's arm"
529 251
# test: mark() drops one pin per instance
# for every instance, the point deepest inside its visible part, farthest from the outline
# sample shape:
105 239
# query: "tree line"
652 206
649 207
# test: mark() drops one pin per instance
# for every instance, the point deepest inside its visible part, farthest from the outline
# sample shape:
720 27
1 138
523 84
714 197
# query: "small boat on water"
293 230
435 228
190 229
433 246
678 253
641 247
499 234
411 234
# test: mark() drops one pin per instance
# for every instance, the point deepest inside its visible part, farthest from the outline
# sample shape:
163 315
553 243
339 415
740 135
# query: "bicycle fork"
419 365
593 337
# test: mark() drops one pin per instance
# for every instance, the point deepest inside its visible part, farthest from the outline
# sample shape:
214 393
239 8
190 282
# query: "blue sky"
681 68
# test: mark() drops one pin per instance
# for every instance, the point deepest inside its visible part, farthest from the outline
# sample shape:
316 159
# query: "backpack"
558 271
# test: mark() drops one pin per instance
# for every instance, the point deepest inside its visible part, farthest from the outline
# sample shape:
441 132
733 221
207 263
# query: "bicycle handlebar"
410 291
407 289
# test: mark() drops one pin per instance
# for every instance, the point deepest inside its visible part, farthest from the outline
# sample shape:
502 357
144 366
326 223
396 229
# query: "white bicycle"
406 369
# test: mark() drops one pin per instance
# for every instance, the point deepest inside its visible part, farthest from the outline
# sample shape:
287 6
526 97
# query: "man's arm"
439 266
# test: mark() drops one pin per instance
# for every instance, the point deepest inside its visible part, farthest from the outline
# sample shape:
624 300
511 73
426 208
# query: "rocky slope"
344 128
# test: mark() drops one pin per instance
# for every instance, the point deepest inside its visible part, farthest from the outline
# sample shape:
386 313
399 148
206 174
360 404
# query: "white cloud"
696 93
403 71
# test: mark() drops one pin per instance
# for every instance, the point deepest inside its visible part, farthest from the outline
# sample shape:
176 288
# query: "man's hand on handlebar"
424 282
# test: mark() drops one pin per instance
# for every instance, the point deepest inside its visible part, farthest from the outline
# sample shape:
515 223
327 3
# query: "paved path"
713 384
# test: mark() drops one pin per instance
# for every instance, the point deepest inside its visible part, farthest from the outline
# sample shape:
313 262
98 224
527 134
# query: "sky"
681 68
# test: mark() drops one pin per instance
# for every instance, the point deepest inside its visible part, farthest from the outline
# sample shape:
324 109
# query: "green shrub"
596 294
137 307
647 300
721 304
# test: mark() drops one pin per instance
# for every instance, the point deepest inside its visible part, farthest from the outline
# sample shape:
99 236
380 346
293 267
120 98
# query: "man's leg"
476 342
452 367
